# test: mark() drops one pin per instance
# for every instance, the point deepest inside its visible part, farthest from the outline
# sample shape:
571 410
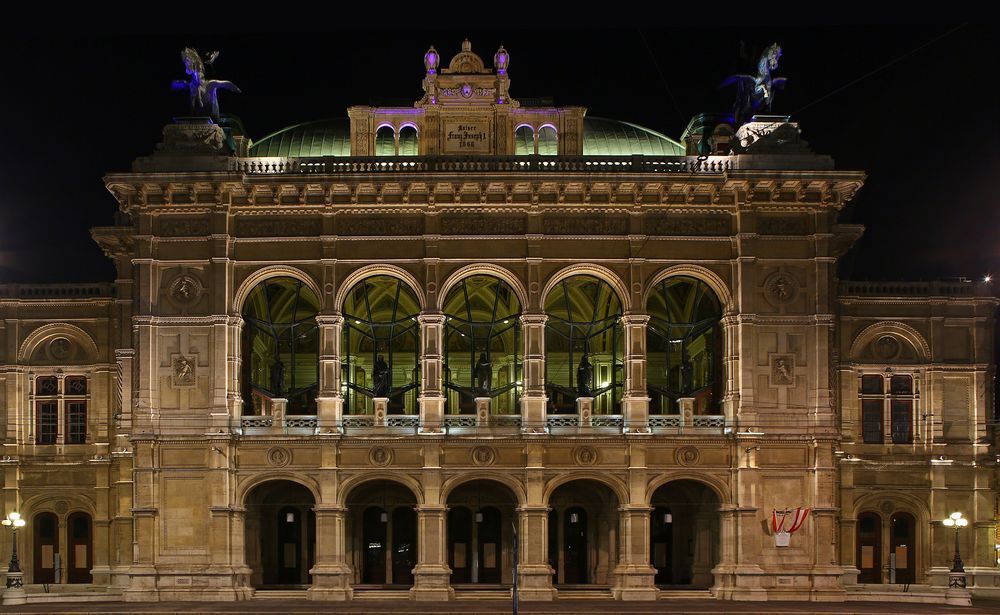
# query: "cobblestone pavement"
496 607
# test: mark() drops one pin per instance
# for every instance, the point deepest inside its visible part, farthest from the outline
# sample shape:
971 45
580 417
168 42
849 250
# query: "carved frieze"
688 225
782 225
379 226
256 227
576 225
184 227
482 225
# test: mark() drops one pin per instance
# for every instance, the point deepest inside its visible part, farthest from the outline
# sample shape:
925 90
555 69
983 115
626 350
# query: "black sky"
924 128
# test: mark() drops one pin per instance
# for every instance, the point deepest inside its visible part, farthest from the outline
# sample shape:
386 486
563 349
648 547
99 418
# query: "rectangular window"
76 422
871 421
46 386
902 421
48 422
871 385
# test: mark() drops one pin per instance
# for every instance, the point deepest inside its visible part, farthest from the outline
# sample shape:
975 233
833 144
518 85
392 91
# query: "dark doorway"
382 533
480 540
661 526
583 533
902 532
459 544
488 547
374 544
81 547
280 534
46 526
404 545
684 534
869 553
575 547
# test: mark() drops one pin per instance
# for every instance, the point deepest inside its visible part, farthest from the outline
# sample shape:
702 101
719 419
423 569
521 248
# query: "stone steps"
381 594
685 594
279 594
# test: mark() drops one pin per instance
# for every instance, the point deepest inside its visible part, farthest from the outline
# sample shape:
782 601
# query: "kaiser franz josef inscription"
467 137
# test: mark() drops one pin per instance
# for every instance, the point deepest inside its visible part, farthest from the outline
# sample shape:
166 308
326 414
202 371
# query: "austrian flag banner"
786 522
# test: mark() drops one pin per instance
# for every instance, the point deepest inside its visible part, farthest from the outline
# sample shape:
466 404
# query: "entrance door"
46 527
554 545
575 546
289 523
902 533
374 537
80 546
869 554
404 545
460 545
661 526
489 545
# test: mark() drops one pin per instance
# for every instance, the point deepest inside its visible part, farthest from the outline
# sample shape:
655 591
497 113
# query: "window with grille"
887 397
60 410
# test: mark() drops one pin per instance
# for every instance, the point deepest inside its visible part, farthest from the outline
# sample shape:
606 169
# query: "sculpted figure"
754 93
203 92
380 377
484 374
585 377
277 378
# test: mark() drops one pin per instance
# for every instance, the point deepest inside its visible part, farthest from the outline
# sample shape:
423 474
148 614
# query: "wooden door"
869 551
46 547
81 546
902 536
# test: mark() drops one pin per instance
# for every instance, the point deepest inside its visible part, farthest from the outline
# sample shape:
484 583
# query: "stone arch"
602 273
905 502
274 271
497 477
45 502
48 332
403 480
718 486
368 271
893 328
483 269
709 277
252 482
616 485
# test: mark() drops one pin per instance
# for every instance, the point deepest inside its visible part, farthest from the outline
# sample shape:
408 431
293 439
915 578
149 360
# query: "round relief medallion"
431 287
533 287
585 455
279 456
62 506
687 456
483 456
328 288
780 288
185 289
886 348
380 456
60 348
887 507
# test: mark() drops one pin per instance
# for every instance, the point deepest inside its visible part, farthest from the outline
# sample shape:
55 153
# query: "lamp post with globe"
14 593
957 576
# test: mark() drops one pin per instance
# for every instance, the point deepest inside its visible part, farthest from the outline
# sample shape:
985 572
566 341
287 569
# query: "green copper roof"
332 137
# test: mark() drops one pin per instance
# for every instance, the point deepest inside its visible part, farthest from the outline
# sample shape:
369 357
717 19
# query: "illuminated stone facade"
355 362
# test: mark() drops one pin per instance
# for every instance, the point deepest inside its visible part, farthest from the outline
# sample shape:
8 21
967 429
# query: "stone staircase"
292 593
64 592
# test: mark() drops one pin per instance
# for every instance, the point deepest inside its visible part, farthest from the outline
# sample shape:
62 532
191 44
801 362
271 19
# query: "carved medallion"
782 370
60 349
185 289
887 507
780 288
885 348
61 507
279 456
687 456
380 456
483 456
585 455
183 372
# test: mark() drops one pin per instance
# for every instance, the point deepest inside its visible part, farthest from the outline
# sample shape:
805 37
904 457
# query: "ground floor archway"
280 534
480 533
382 534
684 530
583 533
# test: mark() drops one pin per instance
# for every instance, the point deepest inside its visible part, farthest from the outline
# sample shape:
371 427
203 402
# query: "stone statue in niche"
484 375
783 370
277 378
202 92
184 371
585 377
380 377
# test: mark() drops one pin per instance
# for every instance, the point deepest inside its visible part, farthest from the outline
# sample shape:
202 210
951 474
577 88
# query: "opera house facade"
424 352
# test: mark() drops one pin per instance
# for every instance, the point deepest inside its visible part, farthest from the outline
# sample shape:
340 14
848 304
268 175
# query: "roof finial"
466 45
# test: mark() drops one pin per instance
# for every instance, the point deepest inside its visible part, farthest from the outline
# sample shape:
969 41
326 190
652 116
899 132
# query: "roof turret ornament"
501 60
754 93
431 60
203 92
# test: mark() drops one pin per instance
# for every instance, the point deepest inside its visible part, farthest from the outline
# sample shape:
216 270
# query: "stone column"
534 573
635 401
234 360
730 373
633 574
431 577
331 574
101 571
329 403
431 370
533 404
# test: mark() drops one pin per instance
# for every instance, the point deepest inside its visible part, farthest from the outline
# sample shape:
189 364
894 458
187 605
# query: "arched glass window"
583 345
548 141
385 141
524 141
409 144
684 346
281 346
482 345
381 349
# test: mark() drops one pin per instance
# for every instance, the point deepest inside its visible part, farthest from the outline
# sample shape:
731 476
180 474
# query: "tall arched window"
583 345
482 345
524 141
409 143
385 141
548 141
281 346
684 346
381 349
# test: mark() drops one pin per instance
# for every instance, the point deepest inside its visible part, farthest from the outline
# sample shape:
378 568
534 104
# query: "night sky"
924 128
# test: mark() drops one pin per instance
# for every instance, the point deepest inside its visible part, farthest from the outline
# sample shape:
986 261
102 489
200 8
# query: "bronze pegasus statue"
203 92
756 92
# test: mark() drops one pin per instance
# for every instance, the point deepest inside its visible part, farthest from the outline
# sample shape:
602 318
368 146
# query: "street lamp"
14 522
957 576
